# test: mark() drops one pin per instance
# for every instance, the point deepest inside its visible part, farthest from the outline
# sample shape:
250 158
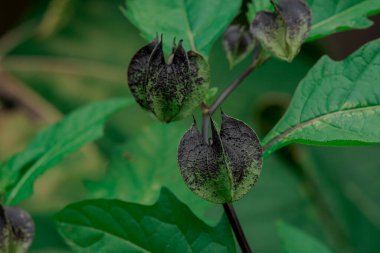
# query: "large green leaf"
51 145
295 241
337 103
330 16
199 23
352 194
146 162
167 226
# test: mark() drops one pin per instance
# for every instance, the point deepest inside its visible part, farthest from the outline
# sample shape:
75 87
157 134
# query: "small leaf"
238 43
115 226
210 95
199 23
283 31
172 90
51 145
340 15
225 169
337 103
295 241
16 230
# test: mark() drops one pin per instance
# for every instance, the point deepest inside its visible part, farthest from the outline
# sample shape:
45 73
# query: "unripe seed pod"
171 91
225 169
238 42
283 31
16 230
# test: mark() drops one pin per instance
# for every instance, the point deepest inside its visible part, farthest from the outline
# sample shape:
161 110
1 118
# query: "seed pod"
283 31
225 169
16 230
238 43
170 90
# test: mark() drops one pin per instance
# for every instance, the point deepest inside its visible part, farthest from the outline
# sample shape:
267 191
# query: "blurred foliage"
84 58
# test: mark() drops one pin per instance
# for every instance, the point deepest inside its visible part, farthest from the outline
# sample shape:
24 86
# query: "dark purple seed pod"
16 230
172 90
283 31
225 169
238 42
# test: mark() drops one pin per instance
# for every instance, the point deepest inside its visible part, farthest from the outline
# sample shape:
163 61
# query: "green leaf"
295 241
143 165
210 95
330 16
115 226
199 23
51 145
337 103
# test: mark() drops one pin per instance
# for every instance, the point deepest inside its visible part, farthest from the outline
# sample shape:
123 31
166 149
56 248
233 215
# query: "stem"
236 227
207 113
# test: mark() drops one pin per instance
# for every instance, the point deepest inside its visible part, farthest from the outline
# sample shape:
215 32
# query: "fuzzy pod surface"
16 230
224 169
170 90
283 31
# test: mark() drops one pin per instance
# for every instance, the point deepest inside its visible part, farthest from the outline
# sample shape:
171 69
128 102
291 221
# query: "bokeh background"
58 55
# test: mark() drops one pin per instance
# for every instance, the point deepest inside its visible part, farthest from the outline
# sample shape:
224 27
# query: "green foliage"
199 23
115 226
210 95
330 16
337 103
295 241
51 145
139 169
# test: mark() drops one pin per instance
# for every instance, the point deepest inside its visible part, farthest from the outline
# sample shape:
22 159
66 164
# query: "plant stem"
207 113
236 227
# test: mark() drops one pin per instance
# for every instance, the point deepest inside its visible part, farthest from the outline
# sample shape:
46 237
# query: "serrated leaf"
102 225
330 16
136 174
199 23
51 145
295 241
337 103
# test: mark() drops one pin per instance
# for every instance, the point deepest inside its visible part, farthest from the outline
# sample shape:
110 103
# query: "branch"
236 227
209 111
